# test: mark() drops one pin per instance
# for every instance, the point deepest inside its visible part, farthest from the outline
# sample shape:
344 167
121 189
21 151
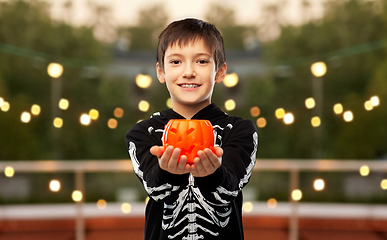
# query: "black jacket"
187 207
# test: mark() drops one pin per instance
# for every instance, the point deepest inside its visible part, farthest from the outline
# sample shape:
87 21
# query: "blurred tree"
347 80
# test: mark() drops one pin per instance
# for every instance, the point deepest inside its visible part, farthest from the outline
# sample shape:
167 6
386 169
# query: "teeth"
189 85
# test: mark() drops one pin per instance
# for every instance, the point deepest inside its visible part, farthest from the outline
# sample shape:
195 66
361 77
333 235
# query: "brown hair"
189 30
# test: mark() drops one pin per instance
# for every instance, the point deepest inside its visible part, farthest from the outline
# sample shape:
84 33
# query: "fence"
294 166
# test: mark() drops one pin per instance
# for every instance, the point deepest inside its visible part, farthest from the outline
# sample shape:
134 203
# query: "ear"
221 74
160 73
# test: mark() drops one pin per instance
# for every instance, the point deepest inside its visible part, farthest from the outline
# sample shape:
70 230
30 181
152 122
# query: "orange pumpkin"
189 135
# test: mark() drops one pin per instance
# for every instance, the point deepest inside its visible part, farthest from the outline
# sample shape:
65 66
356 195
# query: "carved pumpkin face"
189 135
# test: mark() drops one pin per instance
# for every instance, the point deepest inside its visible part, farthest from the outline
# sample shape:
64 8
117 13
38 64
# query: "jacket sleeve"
239 156
159 184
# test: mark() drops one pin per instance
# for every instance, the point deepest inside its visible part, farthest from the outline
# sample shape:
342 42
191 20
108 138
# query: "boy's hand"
207 162
168 159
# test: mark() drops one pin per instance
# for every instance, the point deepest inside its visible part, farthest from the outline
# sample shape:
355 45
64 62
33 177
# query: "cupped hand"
169 159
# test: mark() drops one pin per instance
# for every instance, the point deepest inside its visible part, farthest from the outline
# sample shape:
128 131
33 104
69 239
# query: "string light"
315 121
375 101
364 170
318 69
58 122
288 118
9 171
296 195
231 80
280 113
310 103
169 103
112 123
143 81
94 114
272 203
126 208
319 184
348 116
255 111
143 106
1 101
35 109
368 105
77 196
55 70
25 117
247 207
5 106
54 185
85 119
118 112
64 104
101 204
383 184
261 122
230 105
146 200
338 108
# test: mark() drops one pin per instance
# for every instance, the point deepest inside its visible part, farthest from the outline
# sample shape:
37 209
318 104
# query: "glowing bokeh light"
54 185
310 103
55 70
375 101
25 117
229 105
296 195
272 203
288 118
255 111
318 69
118 112
101 204
64 104
58 122
94 114
146 200
77 196
35 109
126 208
247 207
261 122
280 113
364 170
319 184
315 121
112 123
5 106
9 171
338 108
143 81
1 101
143 106
231 80
169 103
85 119
368 105
348 116
383 184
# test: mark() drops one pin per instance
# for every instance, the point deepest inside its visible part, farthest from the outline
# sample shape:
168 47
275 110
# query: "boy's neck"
189 111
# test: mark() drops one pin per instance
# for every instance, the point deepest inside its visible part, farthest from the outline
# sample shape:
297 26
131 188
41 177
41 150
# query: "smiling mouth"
189 85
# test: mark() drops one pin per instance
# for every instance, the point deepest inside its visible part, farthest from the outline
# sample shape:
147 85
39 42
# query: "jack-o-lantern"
190 136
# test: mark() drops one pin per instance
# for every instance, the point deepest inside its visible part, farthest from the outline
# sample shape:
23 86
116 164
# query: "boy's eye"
175 61
202 61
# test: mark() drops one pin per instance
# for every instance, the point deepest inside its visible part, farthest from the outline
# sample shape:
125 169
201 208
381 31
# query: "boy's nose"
189 73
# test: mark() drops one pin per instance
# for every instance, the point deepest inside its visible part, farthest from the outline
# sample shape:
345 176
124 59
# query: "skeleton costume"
186 207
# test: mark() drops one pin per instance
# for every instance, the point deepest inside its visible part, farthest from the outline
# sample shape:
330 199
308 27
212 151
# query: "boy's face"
190 75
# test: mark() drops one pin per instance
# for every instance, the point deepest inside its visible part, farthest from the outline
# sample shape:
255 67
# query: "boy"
202 200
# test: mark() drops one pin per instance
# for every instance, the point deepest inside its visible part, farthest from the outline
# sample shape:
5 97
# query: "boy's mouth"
191 85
